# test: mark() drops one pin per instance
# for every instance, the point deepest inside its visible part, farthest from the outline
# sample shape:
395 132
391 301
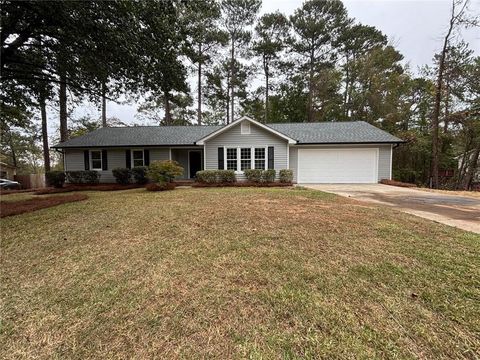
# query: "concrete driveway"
454 210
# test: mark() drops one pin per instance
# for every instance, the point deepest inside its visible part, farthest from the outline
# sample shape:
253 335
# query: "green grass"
236 273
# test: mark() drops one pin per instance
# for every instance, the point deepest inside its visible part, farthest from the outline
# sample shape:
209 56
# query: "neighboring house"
7 171
327 152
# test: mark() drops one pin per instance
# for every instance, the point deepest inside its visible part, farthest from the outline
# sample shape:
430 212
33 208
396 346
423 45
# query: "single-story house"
326 152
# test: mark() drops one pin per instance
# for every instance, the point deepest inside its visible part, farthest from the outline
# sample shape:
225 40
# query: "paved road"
454 210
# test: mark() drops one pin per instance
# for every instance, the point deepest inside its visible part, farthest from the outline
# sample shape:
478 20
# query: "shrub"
206 176
83 177
55 178
268 176
226 176
122 175
139 174
164 171
286 175
160 186
254 175
91 177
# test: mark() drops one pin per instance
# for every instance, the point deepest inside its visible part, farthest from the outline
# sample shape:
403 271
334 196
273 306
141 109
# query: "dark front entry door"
195 161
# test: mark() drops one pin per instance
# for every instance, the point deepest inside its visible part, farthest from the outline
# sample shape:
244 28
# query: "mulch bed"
242 184
397 183
8 192
87 187
24 206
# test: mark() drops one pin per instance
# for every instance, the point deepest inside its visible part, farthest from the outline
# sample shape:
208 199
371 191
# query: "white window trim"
132 159
239 157
91 160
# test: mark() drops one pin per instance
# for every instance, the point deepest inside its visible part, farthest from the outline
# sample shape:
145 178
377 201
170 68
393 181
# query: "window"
137 158
260 158
245 158
96 159
232 159
245 127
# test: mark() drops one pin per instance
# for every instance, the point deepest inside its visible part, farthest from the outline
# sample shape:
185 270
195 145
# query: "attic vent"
245 127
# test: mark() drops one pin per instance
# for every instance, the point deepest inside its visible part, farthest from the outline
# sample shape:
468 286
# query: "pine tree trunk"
199 95
46 150
436 108
227 107
232 81
345 94
62 97
310 92
472 168
104 105
168 110
266 90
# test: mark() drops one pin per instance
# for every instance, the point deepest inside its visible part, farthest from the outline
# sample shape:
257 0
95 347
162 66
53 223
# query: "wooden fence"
32 181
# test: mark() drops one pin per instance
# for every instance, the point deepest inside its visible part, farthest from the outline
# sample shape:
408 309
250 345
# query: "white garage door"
338 165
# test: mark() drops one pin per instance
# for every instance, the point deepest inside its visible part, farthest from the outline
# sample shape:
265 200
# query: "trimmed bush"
269 175
206 176
164 171
160 186
139 174
122 175
286 175
254 175
226 176
55 178
83 177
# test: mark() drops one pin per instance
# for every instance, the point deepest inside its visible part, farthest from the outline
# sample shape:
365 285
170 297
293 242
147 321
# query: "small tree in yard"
164 171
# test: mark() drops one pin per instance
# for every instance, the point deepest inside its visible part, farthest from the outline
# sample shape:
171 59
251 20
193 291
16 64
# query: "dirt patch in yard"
24 206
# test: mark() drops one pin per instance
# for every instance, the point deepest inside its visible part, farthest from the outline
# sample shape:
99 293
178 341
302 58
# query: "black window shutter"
146 157
86 159
128 159
271 164
104 160
221 165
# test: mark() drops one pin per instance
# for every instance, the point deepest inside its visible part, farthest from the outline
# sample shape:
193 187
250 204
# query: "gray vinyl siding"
384 158
74 160
181 156
293 161
384 162
258 137
159 154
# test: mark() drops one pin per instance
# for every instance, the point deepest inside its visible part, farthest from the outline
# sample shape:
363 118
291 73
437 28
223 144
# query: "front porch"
191 159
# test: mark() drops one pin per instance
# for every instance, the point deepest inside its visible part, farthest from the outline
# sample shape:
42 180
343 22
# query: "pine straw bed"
11 208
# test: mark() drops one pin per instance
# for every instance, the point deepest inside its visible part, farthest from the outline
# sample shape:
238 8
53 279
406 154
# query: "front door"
194 163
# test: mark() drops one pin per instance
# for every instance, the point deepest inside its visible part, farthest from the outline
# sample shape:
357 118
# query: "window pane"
96 155
260 164
137 162
260 153
232 164
138 155
96 164
232 154
245 153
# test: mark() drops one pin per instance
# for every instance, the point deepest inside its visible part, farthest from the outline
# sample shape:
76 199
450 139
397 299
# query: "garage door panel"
338 165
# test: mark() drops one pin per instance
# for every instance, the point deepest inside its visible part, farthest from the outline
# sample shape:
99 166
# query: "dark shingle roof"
140 136
304 133
335 132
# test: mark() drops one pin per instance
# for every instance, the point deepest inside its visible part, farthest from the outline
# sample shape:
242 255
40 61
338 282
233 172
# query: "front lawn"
235 273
